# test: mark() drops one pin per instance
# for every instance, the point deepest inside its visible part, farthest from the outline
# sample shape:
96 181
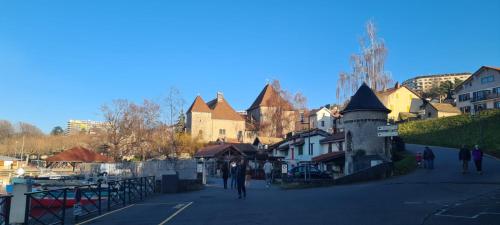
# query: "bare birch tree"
367 66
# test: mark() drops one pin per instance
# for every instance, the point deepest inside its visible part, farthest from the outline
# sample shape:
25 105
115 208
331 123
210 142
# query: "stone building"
215 120
263 111
361 117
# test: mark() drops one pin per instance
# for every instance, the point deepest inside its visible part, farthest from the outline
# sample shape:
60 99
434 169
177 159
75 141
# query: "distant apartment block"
481 91
425 83
84 126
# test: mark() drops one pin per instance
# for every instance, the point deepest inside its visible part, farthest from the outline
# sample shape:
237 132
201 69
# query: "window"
200 133
487 79
464 97
322 123
301 150
496 90
330 147
479 107
311 149
465 109
222 131
497 105
480 95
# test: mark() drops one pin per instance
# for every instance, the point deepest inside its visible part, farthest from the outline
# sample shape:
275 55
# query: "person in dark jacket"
464 156
428 158
225 174
477 156
240 178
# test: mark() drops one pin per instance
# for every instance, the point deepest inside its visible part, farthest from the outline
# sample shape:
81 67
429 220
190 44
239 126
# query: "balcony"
485 97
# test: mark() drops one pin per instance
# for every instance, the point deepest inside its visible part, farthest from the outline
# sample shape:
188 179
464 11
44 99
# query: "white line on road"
175 214
105 214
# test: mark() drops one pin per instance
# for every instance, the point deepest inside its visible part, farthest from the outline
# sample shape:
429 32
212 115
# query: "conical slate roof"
199 106
365 100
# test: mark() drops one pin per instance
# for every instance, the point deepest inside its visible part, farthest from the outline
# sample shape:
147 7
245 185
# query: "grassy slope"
456 130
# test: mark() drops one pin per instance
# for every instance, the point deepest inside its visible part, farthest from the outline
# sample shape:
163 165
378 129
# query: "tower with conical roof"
361 117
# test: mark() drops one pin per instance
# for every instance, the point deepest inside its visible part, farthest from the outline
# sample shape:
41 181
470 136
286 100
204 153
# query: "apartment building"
480 91
425 83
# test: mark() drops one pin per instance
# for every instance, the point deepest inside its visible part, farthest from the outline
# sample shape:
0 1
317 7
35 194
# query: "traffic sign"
387 134
388 128
284 168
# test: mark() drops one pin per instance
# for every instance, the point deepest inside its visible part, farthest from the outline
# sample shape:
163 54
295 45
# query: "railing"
5 209
61 205
485 97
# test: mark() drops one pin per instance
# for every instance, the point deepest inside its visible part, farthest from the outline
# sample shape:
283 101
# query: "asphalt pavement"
431 197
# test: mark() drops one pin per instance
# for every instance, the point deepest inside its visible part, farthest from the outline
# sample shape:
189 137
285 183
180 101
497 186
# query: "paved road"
432 197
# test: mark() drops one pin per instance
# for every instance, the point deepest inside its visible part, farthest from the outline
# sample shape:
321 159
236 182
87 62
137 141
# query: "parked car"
312 173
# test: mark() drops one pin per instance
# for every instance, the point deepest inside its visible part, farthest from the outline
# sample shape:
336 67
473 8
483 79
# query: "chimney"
397 85
220 96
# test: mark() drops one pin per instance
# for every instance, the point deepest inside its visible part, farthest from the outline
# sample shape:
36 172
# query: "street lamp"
302 121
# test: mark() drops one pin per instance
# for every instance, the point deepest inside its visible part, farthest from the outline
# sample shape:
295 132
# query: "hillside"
457 130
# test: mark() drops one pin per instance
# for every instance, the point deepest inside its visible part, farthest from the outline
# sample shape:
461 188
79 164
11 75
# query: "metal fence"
5 209
64 205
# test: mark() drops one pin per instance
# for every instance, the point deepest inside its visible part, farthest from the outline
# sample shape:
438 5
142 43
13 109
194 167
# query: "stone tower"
362 115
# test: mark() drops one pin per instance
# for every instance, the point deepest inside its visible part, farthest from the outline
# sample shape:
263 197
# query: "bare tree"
367 66
6 129
282 112
174 104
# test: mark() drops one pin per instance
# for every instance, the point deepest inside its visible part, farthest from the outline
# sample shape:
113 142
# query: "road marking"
440 213
175 214
160 203
105 214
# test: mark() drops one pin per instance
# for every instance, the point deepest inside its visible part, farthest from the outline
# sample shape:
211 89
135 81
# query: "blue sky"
62 60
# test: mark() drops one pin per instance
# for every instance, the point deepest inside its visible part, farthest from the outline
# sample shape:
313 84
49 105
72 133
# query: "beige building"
215 120
481 91
84 126
425 83
438 110
403 102
264 110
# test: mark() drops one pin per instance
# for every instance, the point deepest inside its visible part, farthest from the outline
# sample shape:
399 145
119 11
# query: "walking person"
428 158
268 169
464 156
477 156
240 176
234 176
225 174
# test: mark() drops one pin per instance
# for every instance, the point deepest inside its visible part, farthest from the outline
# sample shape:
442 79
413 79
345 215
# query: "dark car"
312 173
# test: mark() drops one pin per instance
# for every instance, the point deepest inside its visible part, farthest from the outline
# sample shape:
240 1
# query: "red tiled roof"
214 150
199 106
266 97
79 154
223 111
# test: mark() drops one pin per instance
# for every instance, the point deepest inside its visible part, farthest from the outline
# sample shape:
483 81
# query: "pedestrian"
225 174
428 158
240 176
464 156
418 158
234 176
268 169
477 156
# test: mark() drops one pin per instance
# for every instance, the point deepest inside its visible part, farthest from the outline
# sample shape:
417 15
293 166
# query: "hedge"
483 129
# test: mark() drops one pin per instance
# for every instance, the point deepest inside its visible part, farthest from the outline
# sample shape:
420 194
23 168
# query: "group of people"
240 175
465 156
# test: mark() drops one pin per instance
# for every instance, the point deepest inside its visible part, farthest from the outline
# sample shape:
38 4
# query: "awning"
329 157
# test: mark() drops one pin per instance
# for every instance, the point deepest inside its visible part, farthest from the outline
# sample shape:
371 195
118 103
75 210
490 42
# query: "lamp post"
302 121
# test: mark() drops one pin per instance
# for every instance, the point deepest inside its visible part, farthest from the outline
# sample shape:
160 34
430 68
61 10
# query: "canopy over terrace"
76 155
220 151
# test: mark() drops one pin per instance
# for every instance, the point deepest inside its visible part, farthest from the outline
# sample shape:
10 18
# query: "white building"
322 119
309 146
480 91
84 127
425 83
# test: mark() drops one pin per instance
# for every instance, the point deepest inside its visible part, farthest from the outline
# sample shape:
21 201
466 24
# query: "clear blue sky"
62 60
